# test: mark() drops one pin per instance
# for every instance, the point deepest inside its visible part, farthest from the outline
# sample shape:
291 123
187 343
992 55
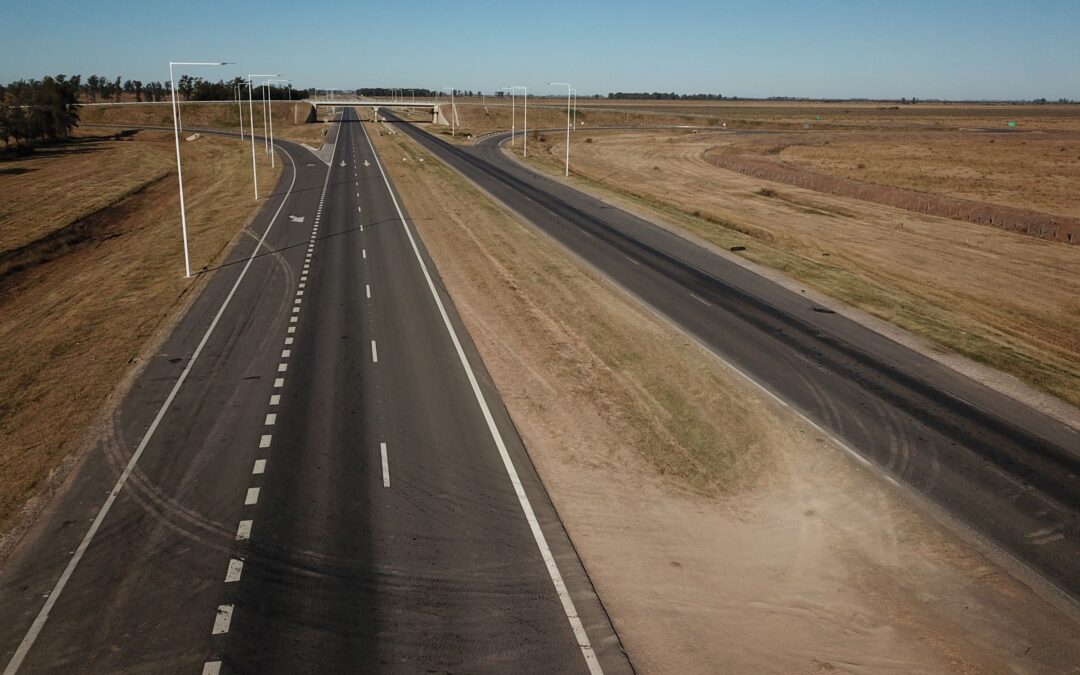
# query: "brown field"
1035 171
91 271
667 468
1006 300
289 118
480 117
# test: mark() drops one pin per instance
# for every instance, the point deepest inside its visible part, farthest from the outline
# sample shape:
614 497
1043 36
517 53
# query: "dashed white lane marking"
286 353
296 310
701 299
367 289
361 227
279 382
569 610
252 496
631 260
271 418
275 399
223 619
282 367
292 329
36 627
264 442
385 465
374 352
364 253
236 568
260 467
288 340
243 531
359 209
211 668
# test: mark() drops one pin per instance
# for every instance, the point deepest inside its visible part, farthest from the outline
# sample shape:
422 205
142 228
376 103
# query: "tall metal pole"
240 108
568 88
254 171
179 174
273 164
575 109
266 138
525 129
179 168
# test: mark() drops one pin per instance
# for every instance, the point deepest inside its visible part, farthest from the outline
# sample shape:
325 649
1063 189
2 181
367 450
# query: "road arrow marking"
367 163
342 162
296 219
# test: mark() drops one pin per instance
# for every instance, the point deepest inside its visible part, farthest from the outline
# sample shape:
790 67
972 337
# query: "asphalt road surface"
314 475
1000 469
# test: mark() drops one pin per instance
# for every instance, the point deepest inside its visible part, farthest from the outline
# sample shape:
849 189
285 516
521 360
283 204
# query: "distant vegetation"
34 110
661 96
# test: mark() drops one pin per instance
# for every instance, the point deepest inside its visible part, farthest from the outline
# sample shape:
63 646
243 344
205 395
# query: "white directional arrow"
367 163
342 162
296 219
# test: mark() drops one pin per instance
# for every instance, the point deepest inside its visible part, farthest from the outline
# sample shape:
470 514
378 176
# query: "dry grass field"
665 467
1037 171
1006 300
289 118
91 267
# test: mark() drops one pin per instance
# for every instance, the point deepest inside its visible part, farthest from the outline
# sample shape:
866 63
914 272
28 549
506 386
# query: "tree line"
33 110
662 96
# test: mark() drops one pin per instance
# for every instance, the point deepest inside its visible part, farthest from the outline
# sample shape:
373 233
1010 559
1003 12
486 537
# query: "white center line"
252 496
260 467
374 352
385 466
243 531
367 289
236 568
363 252
223 619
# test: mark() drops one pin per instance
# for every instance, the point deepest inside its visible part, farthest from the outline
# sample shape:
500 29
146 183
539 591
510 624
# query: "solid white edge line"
385 466
523 499
39 622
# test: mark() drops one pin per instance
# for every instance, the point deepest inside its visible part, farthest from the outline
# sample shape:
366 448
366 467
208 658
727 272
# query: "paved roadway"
326 480
998 467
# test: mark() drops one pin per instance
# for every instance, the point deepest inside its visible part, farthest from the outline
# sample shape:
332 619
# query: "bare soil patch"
722 534
83 293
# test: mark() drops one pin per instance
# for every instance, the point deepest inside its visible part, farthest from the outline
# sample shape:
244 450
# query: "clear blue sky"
824 48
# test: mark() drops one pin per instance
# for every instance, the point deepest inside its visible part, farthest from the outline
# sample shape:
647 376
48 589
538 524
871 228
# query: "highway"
1000 470
315 474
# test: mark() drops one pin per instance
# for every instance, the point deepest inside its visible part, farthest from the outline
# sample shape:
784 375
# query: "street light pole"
273 164
525 129
240 108
568 88
575 109
251 113
179 170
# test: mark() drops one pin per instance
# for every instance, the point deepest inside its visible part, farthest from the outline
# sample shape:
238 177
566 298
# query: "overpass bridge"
436 114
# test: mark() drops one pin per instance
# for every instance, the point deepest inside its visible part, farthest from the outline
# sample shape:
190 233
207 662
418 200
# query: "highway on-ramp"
994 467
315 474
